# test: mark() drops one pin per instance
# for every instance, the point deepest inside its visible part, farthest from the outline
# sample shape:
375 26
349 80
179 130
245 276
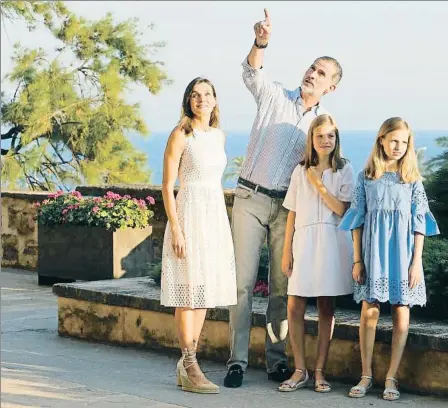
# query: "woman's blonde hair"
311 158
187 115
407 165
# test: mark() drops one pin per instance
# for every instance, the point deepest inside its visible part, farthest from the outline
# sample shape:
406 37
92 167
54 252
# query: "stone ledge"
143 294
140 191
27 195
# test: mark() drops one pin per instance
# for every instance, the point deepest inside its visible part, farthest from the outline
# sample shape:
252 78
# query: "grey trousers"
254 215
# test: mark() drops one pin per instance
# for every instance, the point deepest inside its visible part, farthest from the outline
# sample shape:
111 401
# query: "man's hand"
263 29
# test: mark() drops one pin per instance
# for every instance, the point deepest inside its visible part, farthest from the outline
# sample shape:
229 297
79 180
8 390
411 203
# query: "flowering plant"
261 289
112 211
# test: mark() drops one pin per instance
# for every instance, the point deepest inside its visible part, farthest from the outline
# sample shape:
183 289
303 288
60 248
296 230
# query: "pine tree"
68 118
436 185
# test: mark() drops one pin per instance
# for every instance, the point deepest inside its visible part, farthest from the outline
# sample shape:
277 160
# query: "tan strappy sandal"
180 364
204 387
359 391
290 385
321 385
391 394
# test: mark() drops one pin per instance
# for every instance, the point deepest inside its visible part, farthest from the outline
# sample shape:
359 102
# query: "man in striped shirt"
276 145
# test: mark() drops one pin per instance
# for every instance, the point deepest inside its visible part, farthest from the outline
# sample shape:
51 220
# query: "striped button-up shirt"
278 138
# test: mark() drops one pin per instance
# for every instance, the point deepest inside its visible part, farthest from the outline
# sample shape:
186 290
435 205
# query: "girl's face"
324 140
202 100
395 144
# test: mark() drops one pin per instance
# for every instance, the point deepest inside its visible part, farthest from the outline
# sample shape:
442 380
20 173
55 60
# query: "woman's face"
202 101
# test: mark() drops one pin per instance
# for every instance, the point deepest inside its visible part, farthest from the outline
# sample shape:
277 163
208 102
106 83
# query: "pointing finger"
267 16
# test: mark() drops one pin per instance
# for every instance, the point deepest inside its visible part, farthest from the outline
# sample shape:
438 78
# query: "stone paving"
41 369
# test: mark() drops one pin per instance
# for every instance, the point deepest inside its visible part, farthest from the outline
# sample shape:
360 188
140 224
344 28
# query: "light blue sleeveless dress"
390 212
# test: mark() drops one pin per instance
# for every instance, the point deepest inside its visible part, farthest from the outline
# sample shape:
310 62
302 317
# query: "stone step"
128 312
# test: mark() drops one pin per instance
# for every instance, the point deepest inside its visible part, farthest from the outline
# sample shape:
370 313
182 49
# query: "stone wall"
19 229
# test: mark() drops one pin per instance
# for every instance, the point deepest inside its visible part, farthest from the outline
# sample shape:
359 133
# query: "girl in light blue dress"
389 217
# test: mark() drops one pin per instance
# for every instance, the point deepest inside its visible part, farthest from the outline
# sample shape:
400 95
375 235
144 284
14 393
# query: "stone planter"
69 253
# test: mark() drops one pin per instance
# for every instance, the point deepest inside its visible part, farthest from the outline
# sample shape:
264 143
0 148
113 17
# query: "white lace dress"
206 277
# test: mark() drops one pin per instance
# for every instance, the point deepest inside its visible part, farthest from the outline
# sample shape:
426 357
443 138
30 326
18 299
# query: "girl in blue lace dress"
389 217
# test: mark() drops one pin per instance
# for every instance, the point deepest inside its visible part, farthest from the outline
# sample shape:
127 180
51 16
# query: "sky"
393 54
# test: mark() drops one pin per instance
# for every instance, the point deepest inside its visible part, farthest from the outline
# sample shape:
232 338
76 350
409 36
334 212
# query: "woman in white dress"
198 265
316 254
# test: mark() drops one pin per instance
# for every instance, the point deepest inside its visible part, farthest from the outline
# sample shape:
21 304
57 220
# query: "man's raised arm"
262 34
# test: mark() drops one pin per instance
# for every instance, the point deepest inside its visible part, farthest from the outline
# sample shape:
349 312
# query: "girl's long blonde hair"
187 116
311 158
407 165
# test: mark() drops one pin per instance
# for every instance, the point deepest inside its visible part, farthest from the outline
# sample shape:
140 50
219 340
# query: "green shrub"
435 265
263 269
436 187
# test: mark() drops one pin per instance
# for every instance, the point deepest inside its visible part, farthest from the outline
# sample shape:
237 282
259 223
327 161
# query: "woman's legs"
370 314
400 319
325 306
185 327
199 318
189 324
296 323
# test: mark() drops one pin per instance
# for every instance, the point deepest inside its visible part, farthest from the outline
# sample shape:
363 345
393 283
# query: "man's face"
318 79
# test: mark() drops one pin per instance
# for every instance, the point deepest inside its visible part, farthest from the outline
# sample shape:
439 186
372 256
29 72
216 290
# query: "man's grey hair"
338 74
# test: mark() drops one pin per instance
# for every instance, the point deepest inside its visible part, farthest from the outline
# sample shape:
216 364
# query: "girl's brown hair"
311 159
407 165
187 115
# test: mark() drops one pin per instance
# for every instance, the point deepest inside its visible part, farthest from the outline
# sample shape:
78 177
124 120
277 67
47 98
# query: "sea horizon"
356 146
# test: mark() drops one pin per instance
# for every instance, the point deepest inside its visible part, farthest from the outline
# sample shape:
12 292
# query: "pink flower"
57 194
36 205
112 195
95 209
76 194
109 205
97 199
65 211
262 288
151 200
127 197
46 201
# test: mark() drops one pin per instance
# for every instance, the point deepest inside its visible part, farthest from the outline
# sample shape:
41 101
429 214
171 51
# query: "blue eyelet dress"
390 212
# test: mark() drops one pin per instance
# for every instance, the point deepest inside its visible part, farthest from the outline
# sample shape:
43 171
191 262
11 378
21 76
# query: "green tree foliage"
68 118
436 185
33 12
435 266
233 170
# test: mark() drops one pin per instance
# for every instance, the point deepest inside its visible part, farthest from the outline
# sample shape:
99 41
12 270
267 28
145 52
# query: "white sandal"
359 391
321 385
391 394
290 385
